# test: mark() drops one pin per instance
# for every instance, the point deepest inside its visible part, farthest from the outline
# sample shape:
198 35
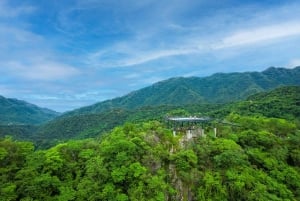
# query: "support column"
174 133
189 135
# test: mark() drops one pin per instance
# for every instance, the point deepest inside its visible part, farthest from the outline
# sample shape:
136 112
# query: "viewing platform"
192 126
189 119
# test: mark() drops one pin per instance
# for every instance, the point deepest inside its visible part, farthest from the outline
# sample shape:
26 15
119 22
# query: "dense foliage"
283 102
19 132
257 160
13 111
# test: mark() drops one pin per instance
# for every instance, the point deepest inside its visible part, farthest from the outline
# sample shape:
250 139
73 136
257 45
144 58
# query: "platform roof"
188 119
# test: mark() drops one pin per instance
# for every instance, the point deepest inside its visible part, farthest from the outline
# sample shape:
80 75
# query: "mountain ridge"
217 88
14 111
282 102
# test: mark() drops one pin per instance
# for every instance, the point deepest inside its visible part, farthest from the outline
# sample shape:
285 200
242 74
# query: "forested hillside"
91 125
218 88
13 111
181 96
258 160
18 132
281 103
253 156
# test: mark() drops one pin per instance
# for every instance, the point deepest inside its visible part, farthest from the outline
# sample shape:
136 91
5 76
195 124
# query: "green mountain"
19 132
102 117
91 125
218 88
282 102
15 111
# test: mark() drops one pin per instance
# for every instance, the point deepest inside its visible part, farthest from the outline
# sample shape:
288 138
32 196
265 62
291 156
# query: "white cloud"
27 55
6 91
10 12
132 76
140 50
118 57
41 70
259 35
152 80
10 35
293 63
150 56
122 55
42 97
193 73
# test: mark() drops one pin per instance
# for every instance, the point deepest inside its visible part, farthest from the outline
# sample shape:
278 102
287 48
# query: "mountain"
161 100
217 88
282 102
91 125
19 132
15 111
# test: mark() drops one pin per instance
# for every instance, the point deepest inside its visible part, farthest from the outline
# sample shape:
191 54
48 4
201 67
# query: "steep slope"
13 111
218 88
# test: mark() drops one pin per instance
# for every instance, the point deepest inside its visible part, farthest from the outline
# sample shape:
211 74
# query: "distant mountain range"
215 96
13 111
217 88
283 102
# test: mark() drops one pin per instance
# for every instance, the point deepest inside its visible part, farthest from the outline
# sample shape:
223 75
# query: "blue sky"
67 54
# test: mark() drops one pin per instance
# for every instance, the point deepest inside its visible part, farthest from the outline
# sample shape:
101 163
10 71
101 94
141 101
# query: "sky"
65 54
